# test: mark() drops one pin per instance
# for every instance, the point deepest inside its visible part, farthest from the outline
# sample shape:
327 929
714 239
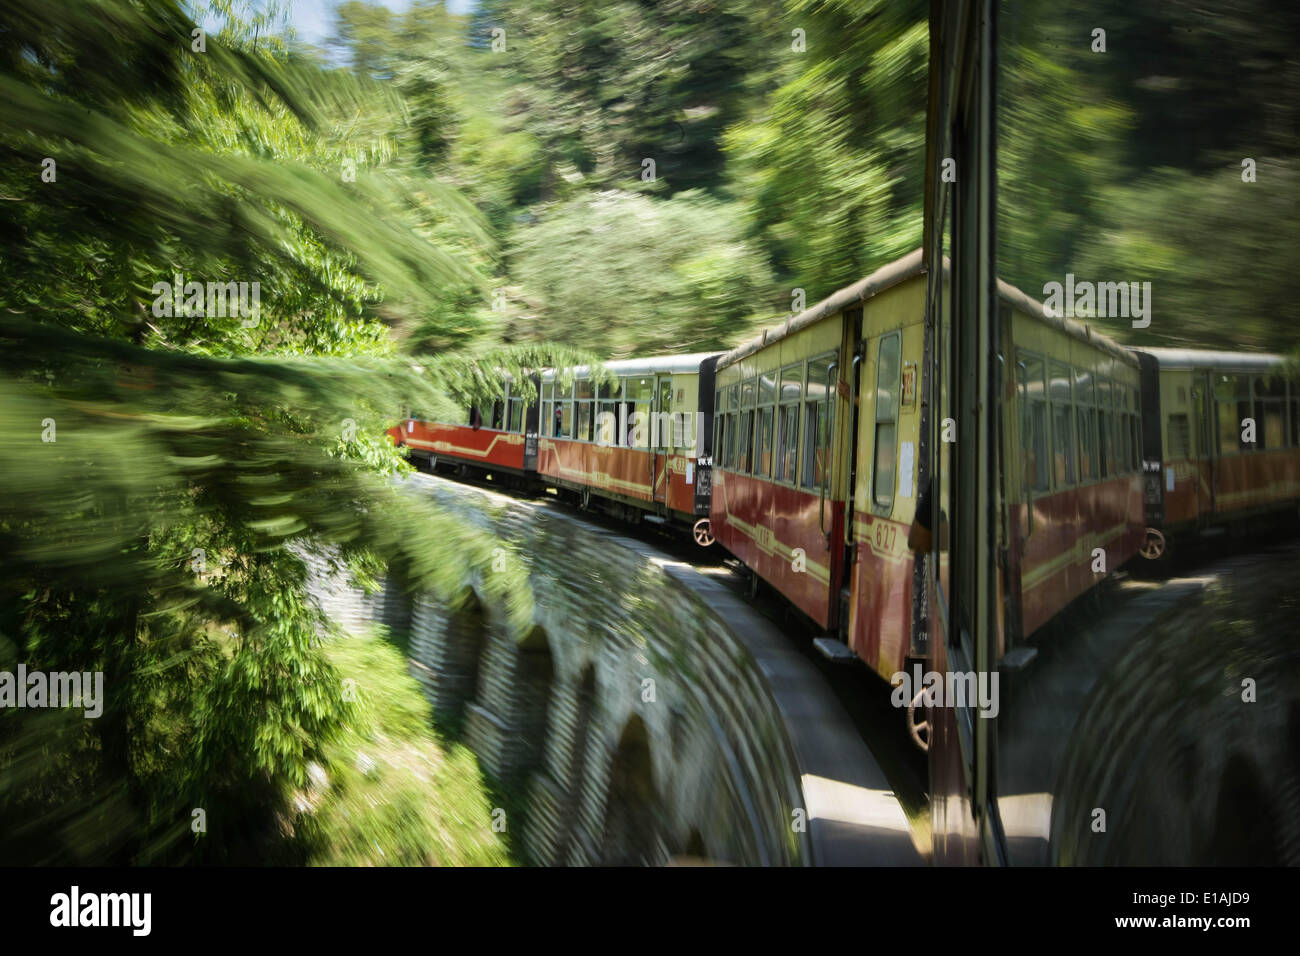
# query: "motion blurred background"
516 183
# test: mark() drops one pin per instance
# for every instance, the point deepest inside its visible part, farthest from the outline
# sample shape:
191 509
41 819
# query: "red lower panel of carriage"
1058 562
776 531
482 447
1255 481
635 473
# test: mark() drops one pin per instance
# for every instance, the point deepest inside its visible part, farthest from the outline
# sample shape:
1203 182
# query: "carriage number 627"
886 535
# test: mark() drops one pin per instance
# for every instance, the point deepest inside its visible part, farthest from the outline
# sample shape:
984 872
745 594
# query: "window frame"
886 506
781 442
1045 453
824 441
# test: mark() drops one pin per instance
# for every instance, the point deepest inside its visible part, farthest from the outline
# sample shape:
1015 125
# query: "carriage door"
661 439
1206 454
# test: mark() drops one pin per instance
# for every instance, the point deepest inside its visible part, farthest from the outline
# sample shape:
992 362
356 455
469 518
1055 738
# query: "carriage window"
584 421
766 424
1270 412
787 439
608 398
1085 423
584 395
515 413
889 357
745 460
733 427
662 432
1062 426
638 394
817 429
1105 436
563 412
1180 438
719 426
1232 396
1033 420
547 423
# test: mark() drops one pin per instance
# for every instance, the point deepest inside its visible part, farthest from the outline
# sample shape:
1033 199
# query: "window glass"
1229 429
1179 441
1062 425
787 439
791 383
1033 420
720 430
1086 419
787 442
733 427
1084 390
1270 412
639 388
763 461
1232 398
888 363
745 460
817 424
564 419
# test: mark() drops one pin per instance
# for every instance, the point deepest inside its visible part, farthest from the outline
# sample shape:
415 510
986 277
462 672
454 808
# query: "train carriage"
821 433
497 437
1221 440
780 440
1074 505
639 442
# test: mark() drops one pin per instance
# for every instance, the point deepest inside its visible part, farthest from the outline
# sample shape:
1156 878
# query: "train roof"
1187 359
909 267
655 364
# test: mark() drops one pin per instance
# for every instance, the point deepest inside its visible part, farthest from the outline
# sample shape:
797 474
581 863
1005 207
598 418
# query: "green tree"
829 166
161 474
638 275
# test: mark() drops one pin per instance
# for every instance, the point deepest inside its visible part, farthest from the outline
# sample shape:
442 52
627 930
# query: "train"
803 452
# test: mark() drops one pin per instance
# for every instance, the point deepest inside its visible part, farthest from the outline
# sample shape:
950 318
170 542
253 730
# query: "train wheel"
1154 548
919 732
703 534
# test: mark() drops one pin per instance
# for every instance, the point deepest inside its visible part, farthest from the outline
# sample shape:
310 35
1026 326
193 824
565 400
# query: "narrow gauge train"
803 451
1203 473
636 447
